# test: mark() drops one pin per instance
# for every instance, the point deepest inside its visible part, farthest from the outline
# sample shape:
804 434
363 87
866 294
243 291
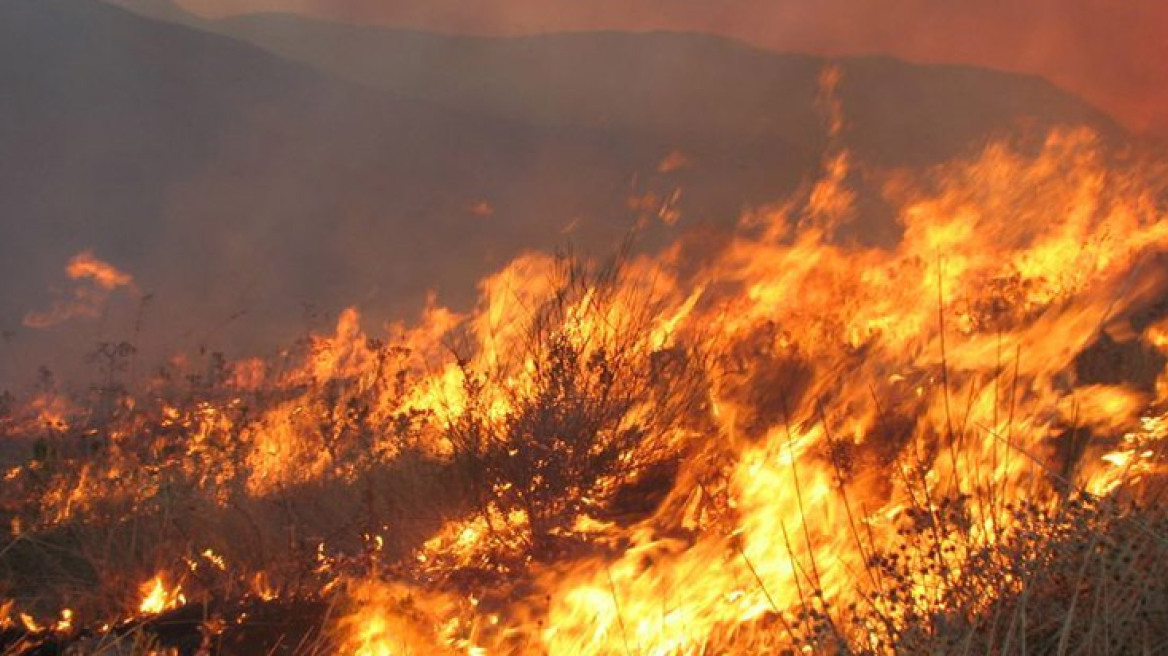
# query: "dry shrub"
591 407
1080 575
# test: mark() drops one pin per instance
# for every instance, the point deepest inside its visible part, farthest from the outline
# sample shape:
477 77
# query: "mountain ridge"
555 79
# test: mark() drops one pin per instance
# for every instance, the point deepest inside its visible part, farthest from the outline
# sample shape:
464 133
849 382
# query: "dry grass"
1062 574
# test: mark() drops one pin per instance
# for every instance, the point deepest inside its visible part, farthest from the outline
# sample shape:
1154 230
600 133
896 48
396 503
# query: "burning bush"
798 443
587 404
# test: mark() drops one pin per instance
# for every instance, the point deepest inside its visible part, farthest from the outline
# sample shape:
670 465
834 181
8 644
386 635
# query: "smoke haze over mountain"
250 172
1113 53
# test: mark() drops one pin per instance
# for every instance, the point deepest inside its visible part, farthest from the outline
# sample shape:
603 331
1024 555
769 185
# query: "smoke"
1113 54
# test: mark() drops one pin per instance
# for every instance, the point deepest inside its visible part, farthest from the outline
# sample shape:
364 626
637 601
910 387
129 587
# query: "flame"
6 613
158 597
65 623
94 281
674 457
30 624
391 620
84 266
263 588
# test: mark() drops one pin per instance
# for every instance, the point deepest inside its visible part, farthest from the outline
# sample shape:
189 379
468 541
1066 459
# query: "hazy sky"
1112 52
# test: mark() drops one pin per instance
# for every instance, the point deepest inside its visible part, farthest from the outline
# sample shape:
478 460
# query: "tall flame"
735 455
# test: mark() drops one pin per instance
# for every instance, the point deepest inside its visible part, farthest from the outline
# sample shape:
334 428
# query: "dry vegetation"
801 447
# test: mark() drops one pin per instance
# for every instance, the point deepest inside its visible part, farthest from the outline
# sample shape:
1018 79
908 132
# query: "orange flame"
791 407
157 597
94 281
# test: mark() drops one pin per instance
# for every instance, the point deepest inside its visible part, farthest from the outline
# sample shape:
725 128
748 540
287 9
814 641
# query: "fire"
798 441
6 613
94 280
85 266
65 623
30 624
392 620
158 597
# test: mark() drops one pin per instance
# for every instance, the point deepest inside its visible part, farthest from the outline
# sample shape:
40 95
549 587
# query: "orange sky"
1112 52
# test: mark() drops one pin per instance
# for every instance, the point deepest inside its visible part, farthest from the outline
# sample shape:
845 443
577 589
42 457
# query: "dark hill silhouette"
678 84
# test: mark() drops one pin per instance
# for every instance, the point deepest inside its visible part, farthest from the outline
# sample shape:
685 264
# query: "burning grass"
797 444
